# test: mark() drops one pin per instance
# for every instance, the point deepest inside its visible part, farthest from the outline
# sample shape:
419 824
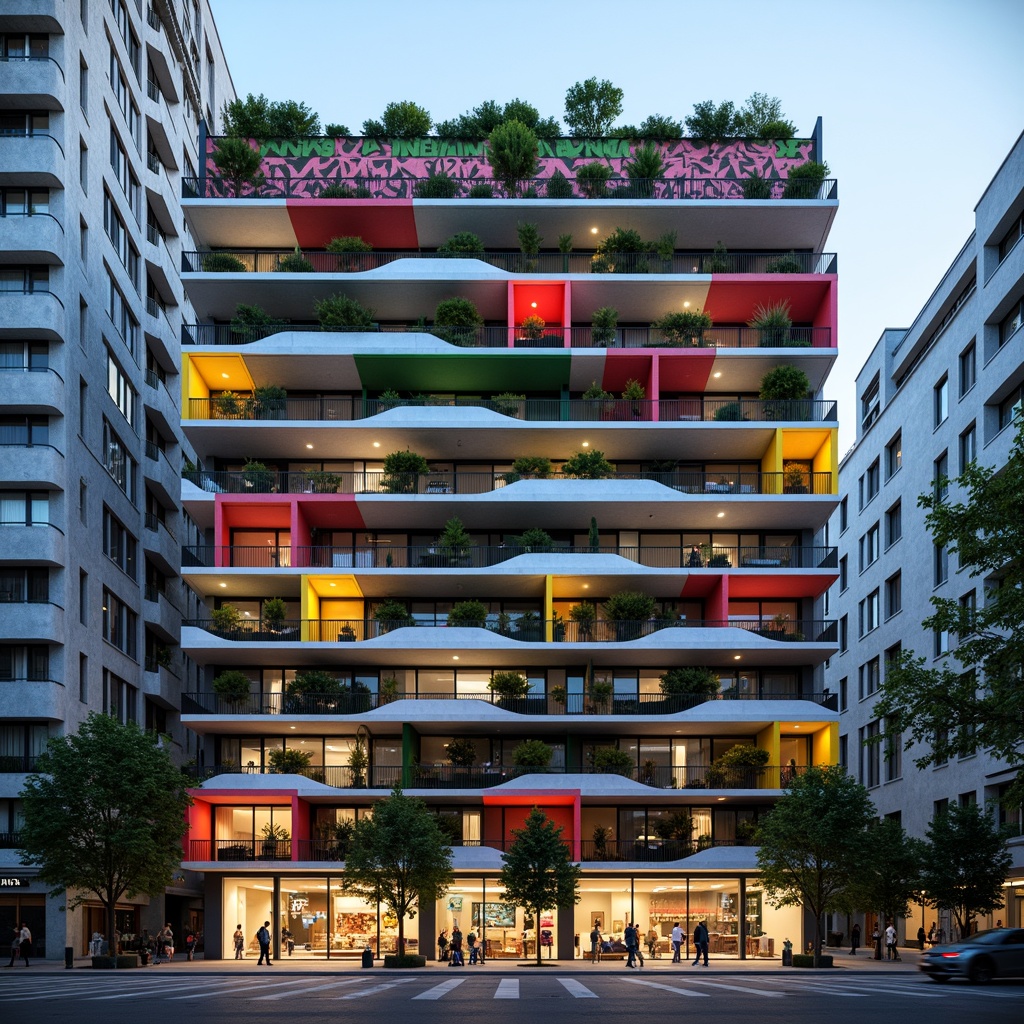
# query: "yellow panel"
310 604
804 443
549 593
336 586
226 372
771 461
768 739
825 744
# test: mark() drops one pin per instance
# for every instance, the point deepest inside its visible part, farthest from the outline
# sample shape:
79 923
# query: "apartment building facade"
100 107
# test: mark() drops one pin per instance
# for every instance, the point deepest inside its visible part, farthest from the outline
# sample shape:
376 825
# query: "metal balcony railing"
212 187
268 261
420 556
533 631
517 337
240 849
692 482
356 703
538 410
10 840
16 763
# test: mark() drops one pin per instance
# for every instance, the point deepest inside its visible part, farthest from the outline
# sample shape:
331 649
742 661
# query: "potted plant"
600 695
272 835
387 691
319 481
601 835
587 465
461 752
634 393
508 403
630 610
257 477
529 627
730 412
564 241
461 244
532 327
757 187
533 540
226 620
351 248
529 244
690 685
222 263
274 611
719 560
340 313
742 766
794 478
804 181
388 399
719 262
509 687
454 543
665 247
358 763
390 615
788 263
295 263
268 402
559 695
603 326
600 401
559 187
314 692
529 467
226 406
438 185
584 615
232 686
624 251
593 535
468 613
402 471
773 323
612 761
288 762
784 391
457 321
648 772
592 179
512 149
685 327
557 629
532 754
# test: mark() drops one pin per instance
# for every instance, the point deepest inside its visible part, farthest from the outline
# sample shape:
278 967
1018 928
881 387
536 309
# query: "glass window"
941 564
940 477
893 594
1010 407
869 404
968 368
1011 323
894 524
968 447
894 455
941 400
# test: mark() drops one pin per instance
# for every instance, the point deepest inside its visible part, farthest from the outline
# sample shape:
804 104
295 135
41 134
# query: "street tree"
965 863
956 710
401 120
813 845
399 857
537 873
891 878
104 815
591 108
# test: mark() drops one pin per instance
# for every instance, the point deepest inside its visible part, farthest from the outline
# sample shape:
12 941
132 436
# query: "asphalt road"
539 996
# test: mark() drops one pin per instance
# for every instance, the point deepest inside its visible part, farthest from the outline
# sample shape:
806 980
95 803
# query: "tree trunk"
536 933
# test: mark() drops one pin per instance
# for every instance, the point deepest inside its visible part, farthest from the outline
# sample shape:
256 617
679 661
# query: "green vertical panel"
410 754
573 751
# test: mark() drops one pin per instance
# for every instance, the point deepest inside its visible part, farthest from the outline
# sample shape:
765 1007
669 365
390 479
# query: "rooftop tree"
256 117
401 120
591 108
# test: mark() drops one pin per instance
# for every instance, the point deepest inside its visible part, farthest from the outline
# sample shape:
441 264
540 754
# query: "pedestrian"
576 946
239 940
854 939
677 943
15 945
921 937
474 952
456 948
652 943
629 937
442 945
700 943
931 935
639 945
547 940
876 940
891 952
168 939
288 939
190 945
595 943
263 938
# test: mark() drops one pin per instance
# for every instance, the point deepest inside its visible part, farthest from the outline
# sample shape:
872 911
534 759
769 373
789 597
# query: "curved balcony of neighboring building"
32 81
42 699
39 389
38 465
36 238
159 612
41 544
159 543
159 474
32 315
36 158
32 622
34 16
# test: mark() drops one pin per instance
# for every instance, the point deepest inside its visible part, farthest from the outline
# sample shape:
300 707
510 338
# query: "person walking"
677 943
639 945
854 939
190 945
456 948
876 940
167 935
629 938
442 945
595 943
263 938
474 952
652 944
700 943
239 940
891 952
921 937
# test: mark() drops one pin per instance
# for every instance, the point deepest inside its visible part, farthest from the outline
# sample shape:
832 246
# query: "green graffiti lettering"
568 148
298 147
369 147
789 148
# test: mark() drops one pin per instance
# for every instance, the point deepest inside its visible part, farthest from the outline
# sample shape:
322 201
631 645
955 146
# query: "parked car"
996 953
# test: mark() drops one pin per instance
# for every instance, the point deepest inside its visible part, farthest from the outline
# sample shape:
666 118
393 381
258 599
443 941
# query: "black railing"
240 849
405 556
516 337
12 763
212 187
269 261
10 840
343 408
694 482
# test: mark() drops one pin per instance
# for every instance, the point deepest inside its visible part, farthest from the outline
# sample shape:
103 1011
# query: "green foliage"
348 243
295 263
621 242
479 122
317 683
509 685
596 393
965 863
630 606
512 152
612 761
468 613
634 391
358 762
890 883
336 131
267 401
584 615
256 117
257 476
587 465
592 179
392 614
685 327
402 119
757 187
655 127
461 752
665 246
773 321
558 186
603 323
532 754
529 238
536 870
239 164
804 182
730 412
713 123
461 244
401 470
339 312
957 710
454 540
719 262
788 264
593 537
591 108
645 167
254 320
533 327
232 686
532 465
104 815
690 681
761 117
399 857
457 321
534 540
784 382
288 762
438 185
274 611
508 403
678 826
321 482
814 844
481 190
222 263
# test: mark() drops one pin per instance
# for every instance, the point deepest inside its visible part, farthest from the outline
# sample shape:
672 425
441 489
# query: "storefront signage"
13 883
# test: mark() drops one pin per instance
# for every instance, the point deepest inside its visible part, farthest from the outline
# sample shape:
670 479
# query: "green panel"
410 754
476 371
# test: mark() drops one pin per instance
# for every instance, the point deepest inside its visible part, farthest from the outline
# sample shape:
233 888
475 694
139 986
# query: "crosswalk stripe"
576 989
241 987
508 988
440 990
373 989
731 987
312 988
842 988
155 988
667 988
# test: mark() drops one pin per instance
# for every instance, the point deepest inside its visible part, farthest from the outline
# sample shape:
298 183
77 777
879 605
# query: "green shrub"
340 312
529 239
592 179
401 472
804 182
690 681
533 327
603 323
341 191
222 263
295 263
588 465
512 152
254 320
773 322
392 614
468 613
730 412
315 682
258 477
622 242
686 327
321 482
462 243
559 187
456 321
273 612
288 762
232 686
787 264
461 752
438 185
784 383
508 403
644 169
532 465
596 393
481 190
630 606
532 754
348 243
719 262
756 187
634 391
510 685
612 761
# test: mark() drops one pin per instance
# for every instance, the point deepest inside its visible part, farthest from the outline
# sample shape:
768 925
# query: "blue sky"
920 100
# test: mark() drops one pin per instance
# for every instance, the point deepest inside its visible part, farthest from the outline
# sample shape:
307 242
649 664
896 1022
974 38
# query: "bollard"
69 958
367 957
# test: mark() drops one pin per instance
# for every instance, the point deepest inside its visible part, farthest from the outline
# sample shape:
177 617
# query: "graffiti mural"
384 168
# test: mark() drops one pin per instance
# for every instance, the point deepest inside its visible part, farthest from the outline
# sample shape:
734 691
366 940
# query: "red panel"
331 511
531 798
732 297
620 366
384 223
253 511
550 299
683 371
779 585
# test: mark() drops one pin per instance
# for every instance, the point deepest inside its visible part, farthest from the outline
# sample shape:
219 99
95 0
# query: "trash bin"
367 957
69 958
787 953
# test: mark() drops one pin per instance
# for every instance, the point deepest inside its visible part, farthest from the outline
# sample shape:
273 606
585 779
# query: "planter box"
124 961
805 960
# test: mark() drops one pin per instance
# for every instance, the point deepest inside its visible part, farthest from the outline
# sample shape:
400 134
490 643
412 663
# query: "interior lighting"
721 800
586 586
455 657
223 584
593 231
226 376
586 444
686 305
334 584
376 444
721 515
736 657
309 446
717 375
533 305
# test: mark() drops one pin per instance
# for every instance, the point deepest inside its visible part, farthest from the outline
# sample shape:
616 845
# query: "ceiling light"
223 584
721 515
334 584
586 586
586 444
533 305
736 657
290 727
593 231
376 444
226 376
686 305
455 657
717 375
721 799
309 446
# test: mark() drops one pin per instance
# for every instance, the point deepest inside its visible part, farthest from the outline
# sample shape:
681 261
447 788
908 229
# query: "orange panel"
732 298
